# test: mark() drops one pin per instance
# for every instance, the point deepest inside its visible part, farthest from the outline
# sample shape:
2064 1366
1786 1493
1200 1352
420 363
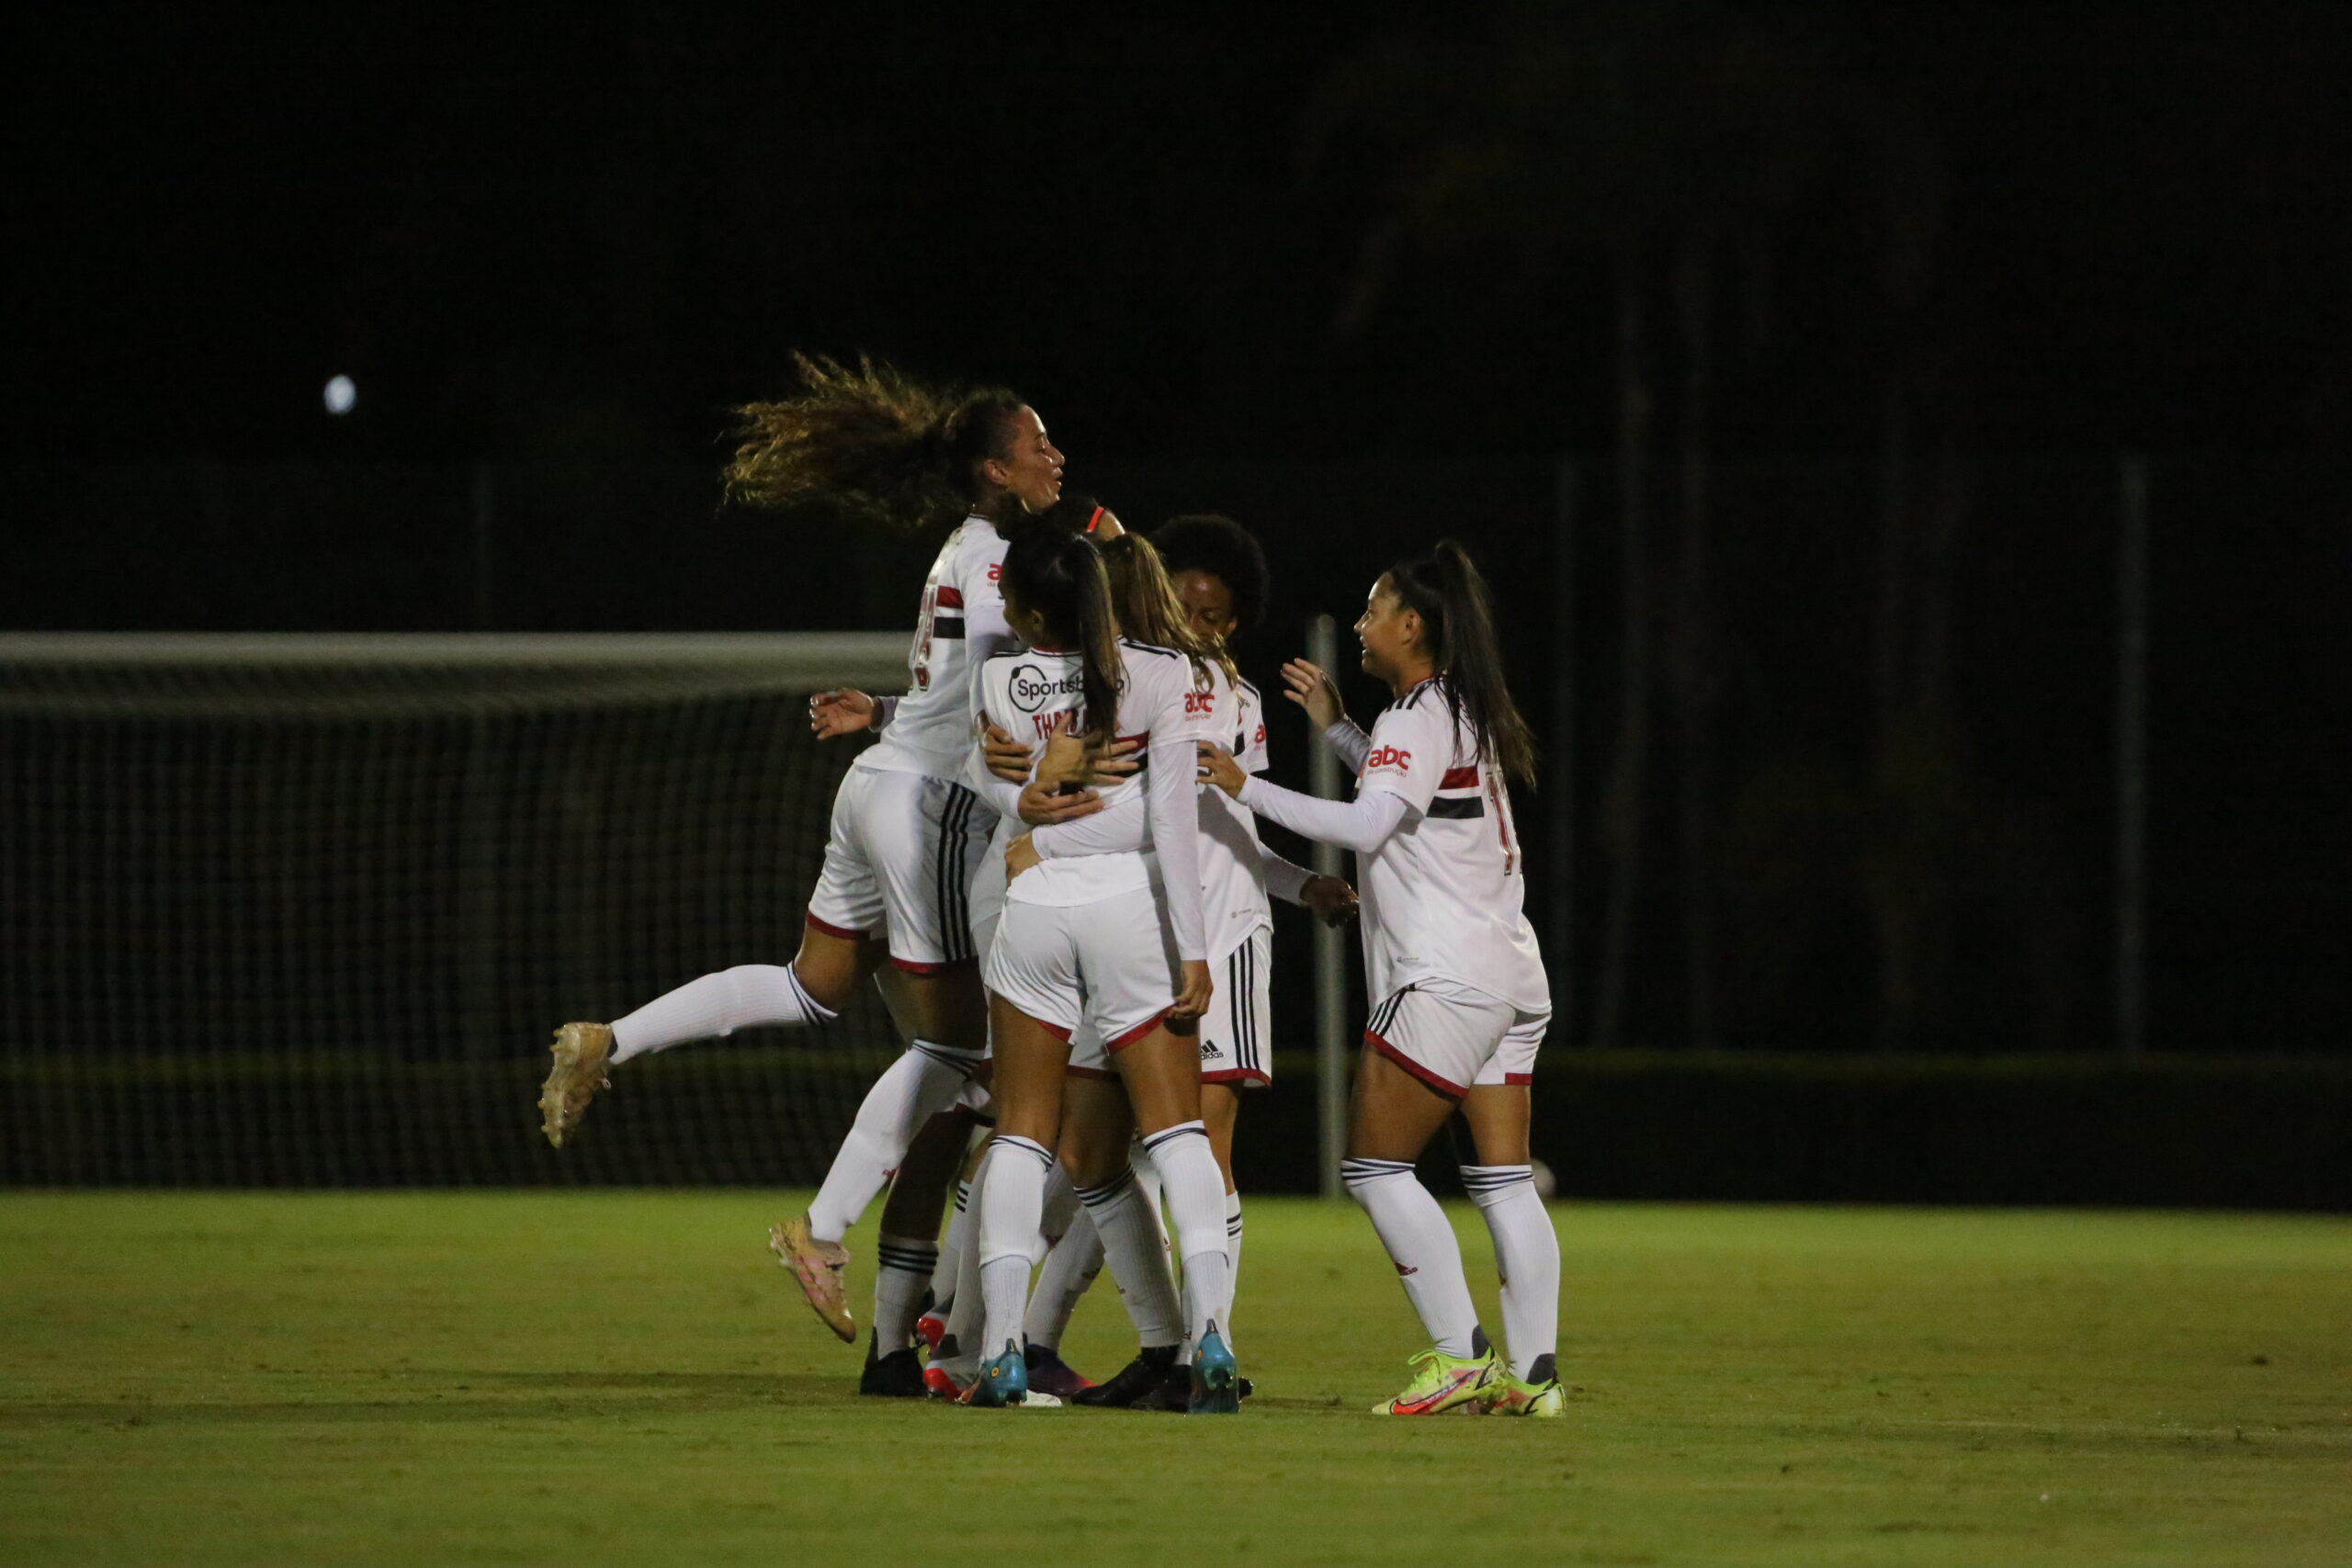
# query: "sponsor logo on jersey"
1387 757
995 570
1199 701
1031 688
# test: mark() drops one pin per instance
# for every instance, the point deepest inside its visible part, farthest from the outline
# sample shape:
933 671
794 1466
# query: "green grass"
626 1378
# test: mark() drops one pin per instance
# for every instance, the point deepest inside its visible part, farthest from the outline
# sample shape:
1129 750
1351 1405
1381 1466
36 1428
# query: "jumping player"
905 837
1462 1000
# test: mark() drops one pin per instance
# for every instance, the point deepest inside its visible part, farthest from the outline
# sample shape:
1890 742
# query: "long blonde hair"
1150 612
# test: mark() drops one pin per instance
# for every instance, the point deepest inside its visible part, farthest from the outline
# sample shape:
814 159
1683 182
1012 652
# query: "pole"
2131 760
1560 770
1330 947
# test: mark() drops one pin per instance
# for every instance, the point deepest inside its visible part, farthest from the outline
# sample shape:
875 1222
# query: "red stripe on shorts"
1138 1033
913 968
1240 1076
1450 1090
1104 1074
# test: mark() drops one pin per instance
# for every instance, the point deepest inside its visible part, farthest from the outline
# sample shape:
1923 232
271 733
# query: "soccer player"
1102 942
1220 588
1462 1000
906 836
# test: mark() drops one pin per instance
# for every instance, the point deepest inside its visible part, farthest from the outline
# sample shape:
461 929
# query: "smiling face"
1391 636
1209 603
1031 469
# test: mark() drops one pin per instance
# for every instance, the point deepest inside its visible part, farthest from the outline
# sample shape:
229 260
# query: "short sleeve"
1182 706
1249 746
1413 746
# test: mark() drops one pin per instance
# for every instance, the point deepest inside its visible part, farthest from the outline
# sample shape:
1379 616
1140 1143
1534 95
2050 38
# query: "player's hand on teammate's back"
1304 684
1333 901
1019 856
1218 768
843 712
1192 998
1043 805
1006 758
1068 758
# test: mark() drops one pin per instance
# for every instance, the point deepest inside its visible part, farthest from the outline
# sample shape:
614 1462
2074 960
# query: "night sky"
527 229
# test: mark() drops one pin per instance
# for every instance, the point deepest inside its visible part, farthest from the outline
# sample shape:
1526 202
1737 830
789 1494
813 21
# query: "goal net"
303 910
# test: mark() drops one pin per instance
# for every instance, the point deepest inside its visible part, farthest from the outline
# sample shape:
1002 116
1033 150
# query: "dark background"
1903 290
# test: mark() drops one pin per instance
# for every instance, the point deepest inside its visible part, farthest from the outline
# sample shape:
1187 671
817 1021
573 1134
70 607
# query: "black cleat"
898 1375
1174 1393
1149 1372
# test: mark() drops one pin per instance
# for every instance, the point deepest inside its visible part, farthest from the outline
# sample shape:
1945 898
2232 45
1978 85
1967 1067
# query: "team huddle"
1048 860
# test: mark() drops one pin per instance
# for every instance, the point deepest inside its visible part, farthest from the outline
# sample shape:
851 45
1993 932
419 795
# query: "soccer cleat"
1214 1391
1172 1397
1442 1382
1048 1372
899 1375
1508 1396
1004 1379
582 1051
931 1328
1154 1368
818 1266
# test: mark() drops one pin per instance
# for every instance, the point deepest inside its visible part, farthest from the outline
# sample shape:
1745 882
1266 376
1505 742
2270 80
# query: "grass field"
617 1377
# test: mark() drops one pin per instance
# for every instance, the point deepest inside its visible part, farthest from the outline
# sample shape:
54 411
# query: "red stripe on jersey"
1459 778
1140 743
949 599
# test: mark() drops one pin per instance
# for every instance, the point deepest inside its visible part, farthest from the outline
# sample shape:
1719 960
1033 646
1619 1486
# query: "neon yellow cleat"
582 1052
1505 1396
1442 1383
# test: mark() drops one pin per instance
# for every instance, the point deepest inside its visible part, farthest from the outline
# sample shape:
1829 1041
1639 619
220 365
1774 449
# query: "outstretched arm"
1362 824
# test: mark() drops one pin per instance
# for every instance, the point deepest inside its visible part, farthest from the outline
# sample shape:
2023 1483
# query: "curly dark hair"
1204 541
885 448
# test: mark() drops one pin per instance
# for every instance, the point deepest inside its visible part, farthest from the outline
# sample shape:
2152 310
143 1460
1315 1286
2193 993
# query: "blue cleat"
1004 1379
1215 1386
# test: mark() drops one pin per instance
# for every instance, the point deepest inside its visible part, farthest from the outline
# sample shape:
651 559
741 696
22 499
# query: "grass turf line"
612 1377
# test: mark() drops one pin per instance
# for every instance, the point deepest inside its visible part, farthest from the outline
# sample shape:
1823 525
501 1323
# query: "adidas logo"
1207 1050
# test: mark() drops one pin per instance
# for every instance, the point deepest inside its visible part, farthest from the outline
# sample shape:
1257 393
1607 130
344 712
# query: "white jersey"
1233 872
962 603
1164 712
1444 897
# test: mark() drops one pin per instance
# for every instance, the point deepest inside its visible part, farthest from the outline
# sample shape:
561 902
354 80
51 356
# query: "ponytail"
1057 577
1150 612
1445 589
890 450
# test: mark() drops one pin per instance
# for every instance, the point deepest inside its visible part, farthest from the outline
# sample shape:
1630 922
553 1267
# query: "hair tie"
1092 521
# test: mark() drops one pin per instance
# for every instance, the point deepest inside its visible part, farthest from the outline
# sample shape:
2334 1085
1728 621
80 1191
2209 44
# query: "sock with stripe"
1421 1244
963 1316
1012 1199
1070 1267
1527 1257
924 1080
1194 1189
902 1266
740 998
1127 1230
942 1276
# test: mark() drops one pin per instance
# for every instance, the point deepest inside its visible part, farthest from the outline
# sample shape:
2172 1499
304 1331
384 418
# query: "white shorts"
1452 1037
1235 1033
1108 967
901 855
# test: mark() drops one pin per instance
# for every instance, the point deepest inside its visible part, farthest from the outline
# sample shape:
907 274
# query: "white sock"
717 1004
901 1274
923 1082
1012 1199
968 1306
1527 1257
1232 1263
1421 1244
1128 1232
1070 1267
1061 1205
1195 1192
943 1276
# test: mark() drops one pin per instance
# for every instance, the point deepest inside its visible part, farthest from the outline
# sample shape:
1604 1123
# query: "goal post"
302 910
